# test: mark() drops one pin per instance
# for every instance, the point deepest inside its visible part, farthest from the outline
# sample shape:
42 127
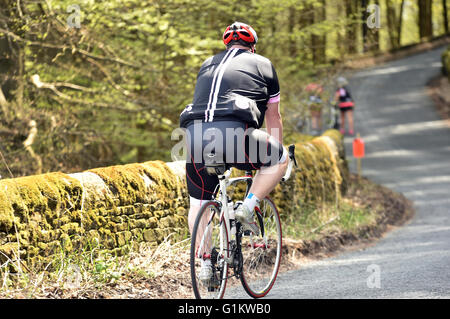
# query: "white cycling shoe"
247 219
206 276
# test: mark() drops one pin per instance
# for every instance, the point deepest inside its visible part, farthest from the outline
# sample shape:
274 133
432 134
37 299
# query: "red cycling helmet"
239 31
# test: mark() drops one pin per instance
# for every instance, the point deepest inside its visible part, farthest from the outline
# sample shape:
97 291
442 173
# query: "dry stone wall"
118 207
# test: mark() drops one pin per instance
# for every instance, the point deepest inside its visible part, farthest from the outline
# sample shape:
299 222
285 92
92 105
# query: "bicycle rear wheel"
209 241
262 254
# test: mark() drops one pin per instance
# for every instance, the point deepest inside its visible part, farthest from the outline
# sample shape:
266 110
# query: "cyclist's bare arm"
274 123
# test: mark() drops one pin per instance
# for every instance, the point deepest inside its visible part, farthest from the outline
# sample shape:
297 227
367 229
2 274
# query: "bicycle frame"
221 190
229 251
224 182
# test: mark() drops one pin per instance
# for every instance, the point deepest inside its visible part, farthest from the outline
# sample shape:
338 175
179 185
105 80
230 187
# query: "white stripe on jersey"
219 80
216 72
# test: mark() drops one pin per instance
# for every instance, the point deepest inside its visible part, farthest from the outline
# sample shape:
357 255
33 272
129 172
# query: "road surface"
407 150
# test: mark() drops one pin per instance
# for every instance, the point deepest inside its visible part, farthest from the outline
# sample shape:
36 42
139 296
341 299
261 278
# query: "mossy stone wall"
117 206
114 206
321 176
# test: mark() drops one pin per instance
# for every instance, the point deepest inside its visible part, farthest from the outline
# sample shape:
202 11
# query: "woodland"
87 84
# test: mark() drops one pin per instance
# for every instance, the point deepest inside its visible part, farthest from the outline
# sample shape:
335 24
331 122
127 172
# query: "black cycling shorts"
346 108
229 142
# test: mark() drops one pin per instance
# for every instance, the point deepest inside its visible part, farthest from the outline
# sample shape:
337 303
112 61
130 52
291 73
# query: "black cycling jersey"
234 85
345 95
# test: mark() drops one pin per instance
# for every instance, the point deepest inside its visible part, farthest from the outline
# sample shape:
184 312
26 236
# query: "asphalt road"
407 150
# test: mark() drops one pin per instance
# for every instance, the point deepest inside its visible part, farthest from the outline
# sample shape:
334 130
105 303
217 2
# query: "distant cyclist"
315 104
236 91
344 100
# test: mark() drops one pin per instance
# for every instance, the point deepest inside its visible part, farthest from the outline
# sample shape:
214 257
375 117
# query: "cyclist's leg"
342 129
350 120
316 123
272 166
200 185
200 188
265 153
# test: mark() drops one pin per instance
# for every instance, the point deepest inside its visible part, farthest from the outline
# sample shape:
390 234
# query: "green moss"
130 183
149 235
296 137
123 238
9 249
335 135
72 229
32 206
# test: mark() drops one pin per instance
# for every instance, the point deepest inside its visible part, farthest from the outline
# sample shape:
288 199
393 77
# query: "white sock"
251 201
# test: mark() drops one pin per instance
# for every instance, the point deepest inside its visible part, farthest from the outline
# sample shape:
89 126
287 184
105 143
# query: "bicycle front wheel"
209 242
262 254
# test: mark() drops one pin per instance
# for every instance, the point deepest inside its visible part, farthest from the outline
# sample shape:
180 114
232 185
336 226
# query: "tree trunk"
365 28
305 19
11 66
394 22
3 104
371 35
445 13
291 27
318 42
351 32
20 77
425 20
400 23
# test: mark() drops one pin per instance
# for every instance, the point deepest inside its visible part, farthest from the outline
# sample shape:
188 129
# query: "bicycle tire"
220 266
262 255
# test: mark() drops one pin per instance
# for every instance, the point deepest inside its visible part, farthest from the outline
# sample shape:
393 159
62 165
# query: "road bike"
233 252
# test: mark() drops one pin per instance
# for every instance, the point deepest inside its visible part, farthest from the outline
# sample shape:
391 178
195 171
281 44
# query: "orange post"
358 151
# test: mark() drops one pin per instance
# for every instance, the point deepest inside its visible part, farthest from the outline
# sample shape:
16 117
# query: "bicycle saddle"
215 165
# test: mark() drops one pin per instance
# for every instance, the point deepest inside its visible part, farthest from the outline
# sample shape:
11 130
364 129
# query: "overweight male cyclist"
236 91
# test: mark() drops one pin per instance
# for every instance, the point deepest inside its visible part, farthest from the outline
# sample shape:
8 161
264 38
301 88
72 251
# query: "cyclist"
345 103
236 91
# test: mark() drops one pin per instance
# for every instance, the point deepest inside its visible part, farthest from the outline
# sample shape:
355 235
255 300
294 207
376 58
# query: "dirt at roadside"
439 91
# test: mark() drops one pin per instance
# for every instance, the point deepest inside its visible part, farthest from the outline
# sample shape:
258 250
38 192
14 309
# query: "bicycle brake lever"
291 149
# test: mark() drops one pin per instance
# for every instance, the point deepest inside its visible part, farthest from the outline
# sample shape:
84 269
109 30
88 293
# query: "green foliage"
446 62
110 92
